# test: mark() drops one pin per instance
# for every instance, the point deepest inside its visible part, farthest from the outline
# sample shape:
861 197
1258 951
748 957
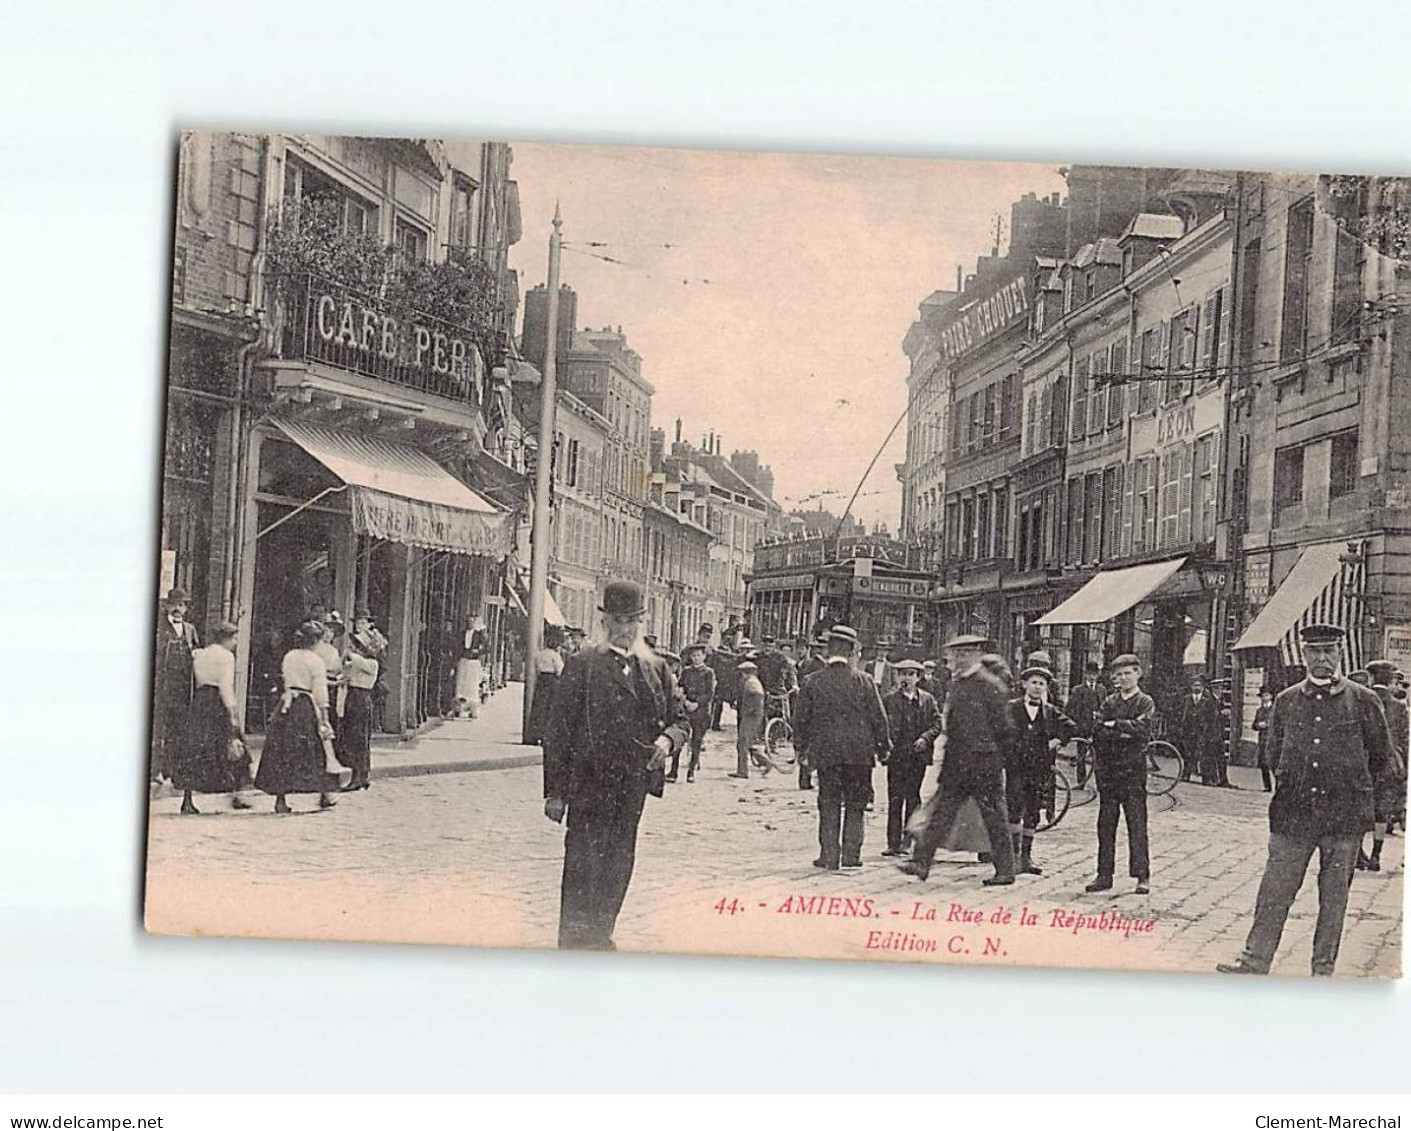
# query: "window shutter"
1183 532
1190 344
1151 359
1117 394
1170 357
1120 513
1131 491
1223 321
1209 335
1080 399
1097 399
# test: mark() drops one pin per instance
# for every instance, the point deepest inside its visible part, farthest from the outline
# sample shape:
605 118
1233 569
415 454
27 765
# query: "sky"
775 316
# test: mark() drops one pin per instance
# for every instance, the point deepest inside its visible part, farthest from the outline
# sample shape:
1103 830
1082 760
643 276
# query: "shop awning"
552 615
400 494
1320 589
1111 593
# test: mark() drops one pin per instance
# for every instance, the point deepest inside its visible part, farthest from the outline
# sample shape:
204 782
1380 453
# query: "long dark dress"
292 761
198 759
541 711
354 747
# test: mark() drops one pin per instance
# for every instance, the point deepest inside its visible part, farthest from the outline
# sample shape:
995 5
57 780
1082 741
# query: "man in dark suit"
1198 733
1328 741
813 662
1390 799
977 726
914 723
172 681
1123 728
840 731
618 716
1083 703
1039 731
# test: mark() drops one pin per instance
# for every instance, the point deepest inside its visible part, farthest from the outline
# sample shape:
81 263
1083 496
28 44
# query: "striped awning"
1321 588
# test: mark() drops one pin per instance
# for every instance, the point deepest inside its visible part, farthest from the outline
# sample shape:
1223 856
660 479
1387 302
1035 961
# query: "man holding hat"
977 726
914 724
841 730
1039 731
1390 795
172 678
618 716
1328 742
1121 731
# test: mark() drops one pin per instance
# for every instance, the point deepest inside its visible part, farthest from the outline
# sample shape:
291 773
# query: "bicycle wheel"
778 744
1164 766
1056 805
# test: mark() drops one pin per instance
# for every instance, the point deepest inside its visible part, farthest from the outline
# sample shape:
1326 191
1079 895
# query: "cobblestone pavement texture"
470 858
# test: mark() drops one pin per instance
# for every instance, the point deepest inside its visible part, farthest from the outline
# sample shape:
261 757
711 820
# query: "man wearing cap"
1121 731
813 662
841 730
698 690
1198 733
172 678
722 661
1390 794
1328 742
618 715
977 727
1039 731
914 724
749 719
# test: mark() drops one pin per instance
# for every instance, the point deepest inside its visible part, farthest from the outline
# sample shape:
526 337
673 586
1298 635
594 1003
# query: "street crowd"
1332 751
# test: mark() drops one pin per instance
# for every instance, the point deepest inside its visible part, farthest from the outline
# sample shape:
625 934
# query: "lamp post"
539 537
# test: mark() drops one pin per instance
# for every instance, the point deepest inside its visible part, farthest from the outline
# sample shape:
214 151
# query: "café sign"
986 318
342 322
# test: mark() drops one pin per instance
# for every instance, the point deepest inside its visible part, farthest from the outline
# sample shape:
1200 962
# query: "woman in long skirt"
209 758
355 729
548 666
293 759
468 669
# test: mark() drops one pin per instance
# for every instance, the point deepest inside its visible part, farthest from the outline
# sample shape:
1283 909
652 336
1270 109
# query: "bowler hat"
622 599
1125 660
670 657
706 627
1321 634
650 640
967 640
176 596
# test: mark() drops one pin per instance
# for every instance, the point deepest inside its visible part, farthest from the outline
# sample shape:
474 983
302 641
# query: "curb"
425 769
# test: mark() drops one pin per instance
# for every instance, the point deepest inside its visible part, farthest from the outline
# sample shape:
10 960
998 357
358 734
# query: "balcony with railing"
346 328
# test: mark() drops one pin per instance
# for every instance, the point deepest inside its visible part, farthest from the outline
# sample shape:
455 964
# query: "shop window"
1288 477
1342 471
1205 488
1298 255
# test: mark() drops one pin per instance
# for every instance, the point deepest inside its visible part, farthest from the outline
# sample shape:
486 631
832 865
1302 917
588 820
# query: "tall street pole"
539 537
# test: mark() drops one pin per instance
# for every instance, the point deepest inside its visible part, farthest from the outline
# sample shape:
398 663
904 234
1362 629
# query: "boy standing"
1121 731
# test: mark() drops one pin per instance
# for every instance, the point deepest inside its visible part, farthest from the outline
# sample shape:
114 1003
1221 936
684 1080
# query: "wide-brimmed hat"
767 638
967 640
622 599
670 657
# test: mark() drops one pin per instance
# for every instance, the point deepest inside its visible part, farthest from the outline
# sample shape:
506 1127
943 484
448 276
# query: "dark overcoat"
978 730
1327 744
910 722
840 721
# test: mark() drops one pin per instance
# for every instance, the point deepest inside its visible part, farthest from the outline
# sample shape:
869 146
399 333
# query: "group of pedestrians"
319 726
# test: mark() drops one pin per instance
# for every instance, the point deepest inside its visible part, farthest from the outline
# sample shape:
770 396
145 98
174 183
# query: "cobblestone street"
724 866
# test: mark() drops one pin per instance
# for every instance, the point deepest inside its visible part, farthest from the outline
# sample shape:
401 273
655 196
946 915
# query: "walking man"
977 727
914 724
176 640
813 662
1123 728
1390 798
749 718
1039 731
618 716
1328 741
841 730
722 662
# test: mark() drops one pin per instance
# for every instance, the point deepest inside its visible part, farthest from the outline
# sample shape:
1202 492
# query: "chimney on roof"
678 429
959 278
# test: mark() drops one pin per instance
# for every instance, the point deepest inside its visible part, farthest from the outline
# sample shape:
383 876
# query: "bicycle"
1164 767
778 733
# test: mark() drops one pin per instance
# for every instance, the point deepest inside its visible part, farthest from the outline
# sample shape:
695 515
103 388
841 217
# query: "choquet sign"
986 318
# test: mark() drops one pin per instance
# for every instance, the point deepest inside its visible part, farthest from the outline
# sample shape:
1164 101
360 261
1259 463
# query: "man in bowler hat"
1328 741
618 716
172 679
978 725
841 730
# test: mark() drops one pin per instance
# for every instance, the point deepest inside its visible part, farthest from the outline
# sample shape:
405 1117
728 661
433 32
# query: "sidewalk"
452 746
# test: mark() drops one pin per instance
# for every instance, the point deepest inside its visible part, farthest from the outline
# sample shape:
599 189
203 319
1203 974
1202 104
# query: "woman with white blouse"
293 759
210 757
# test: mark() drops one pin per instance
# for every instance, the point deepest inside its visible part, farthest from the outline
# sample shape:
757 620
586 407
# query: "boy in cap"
698 689
914 724
1121 732
1039 731
1328 742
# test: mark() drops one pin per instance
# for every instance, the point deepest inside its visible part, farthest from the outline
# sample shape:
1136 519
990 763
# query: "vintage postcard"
784 555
